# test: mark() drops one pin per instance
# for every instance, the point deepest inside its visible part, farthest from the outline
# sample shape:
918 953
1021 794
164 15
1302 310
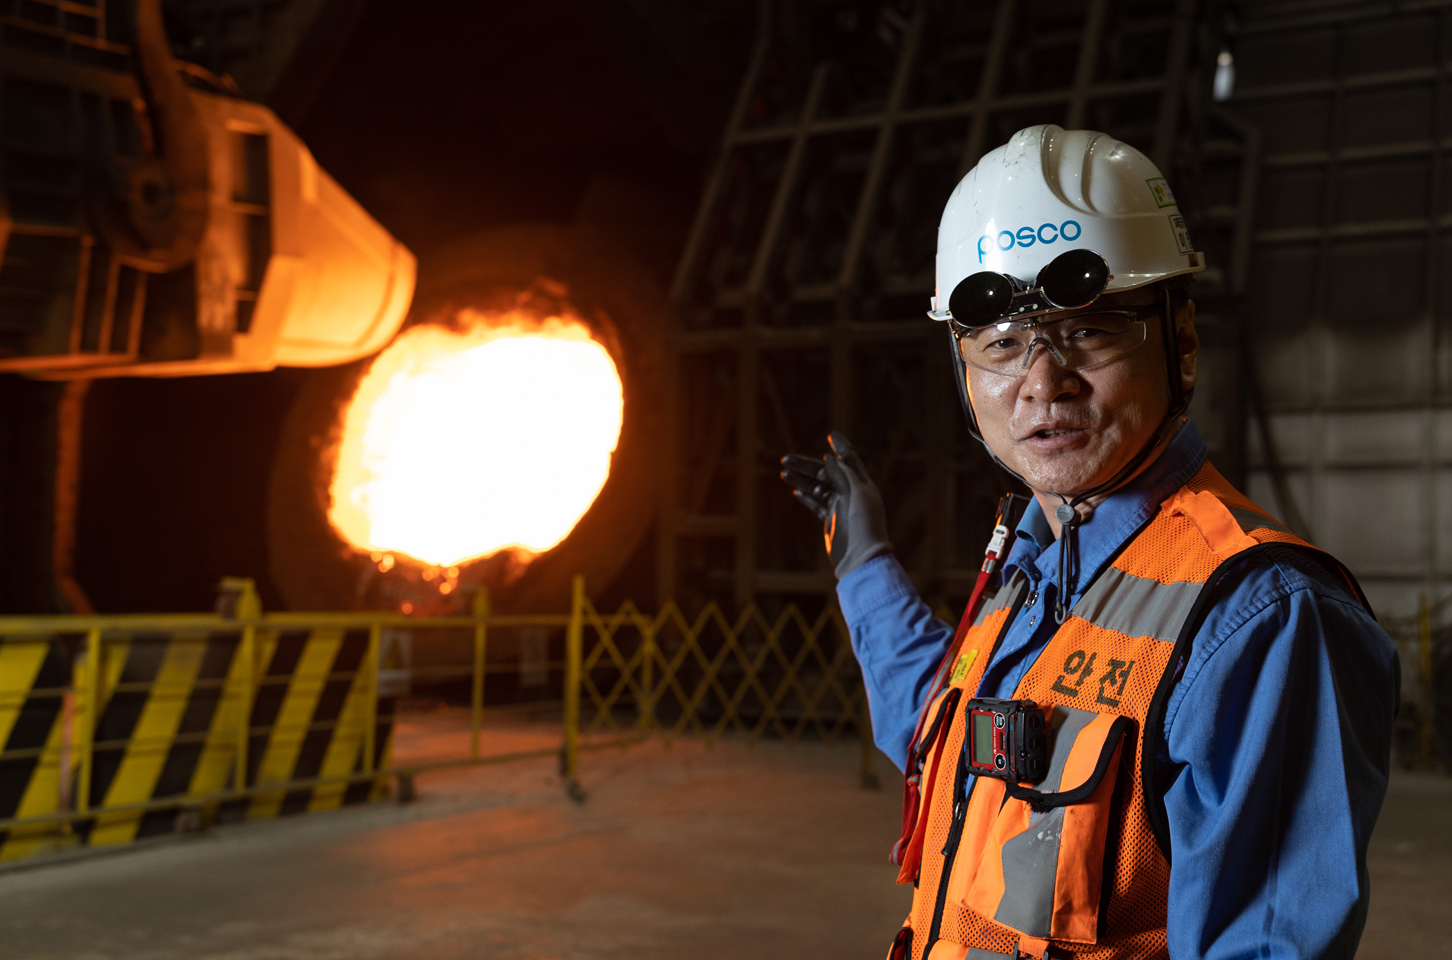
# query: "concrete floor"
686 852
1411 872
725 852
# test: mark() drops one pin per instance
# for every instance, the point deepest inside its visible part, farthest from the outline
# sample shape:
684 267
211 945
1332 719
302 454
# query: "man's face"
1067 431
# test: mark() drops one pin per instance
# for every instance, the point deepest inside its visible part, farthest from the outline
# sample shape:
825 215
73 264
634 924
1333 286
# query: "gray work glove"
838 490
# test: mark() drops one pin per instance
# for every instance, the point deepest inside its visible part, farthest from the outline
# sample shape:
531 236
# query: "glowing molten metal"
458 445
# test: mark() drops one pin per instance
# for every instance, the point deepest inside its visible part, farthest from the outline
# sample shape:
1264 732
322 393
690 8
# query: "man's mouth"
1059 432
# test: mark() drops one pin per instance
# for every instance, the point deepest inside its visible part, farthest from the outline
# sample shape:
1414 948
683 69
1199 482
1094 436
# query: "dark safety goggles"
1073 279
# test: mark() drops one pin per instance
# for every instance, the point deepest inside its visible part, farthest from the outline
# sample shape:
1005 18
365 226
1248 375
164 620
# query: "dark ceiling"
477 114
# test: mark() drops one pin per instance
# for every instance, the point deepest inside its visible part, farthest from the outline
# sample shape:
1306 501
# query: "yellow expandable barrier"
113 729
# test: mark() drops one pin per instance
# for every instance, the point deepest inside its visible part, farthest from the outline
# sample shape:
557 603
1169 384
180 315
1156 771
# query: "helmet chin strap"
1067 513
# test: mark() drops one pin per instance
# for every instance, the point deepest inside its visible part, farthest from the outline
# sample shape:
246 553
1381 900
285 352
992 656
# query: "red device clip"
905 849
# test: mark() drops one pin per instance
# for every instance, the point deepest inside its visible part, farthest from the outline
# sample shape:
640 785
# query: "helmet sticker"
1182 234
1160 187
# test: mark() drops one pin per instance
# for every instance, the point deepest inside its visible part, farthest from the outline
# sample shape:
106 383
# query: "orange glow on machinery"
459 444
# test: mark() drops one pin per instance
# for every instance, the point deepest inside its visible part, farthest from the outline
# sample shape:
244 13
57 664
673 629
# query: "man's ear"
1189 344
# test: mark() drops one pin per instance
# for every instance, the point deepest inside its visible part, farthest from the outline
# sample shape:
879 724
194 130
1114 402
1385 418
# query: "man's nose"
1046 380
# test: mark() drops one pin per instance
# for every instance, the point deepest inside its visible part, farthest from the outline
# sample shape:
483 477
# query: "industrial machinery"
155 223
532 269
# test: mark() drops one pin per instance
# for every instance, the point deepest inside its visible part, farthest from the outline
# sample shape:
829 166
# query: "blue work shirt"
1277 735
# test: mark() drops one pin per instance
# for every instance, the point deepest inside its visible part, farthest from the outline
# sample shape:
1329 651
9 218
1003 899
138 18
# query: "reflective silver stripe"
1137 607
1065 723
1031 858
1250 520
1006 596
1030 866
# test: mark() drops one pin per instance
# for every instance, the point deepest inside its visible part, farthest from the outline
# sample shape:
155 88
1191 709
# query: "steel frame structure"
1346 302
801 293
1352 103
1351 234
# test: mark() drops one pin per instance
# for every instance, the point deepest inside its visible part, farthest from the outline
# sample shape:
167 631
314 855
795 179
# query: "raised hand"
838 490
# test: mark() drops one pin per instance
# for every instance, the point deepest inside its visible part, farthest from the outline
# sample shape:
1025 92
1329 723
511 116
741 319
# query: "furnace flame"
457 445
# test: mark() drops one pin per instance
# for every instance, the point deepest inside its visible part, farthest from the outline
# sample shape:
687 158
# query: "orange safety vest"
1080 861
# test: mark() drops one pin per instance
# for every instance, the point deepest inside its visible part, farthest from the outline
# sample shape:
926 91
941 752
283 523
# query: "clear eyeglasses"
1089 339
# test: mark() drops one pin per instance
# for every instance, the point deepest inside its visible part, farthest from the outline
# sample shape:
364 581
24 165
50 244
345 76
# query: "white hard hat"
1049 190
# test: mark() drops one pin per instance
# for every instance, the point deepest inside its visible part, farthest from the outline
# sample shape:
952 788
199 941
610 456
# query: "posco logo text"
1028 236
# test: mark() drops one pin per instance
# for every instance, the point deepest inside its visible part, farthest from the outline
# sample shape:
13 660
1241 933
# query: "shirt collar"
1115 520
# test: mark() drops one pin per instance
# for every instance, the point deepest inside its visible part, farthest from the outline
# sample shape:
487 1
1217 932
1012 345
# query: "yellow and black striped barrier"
113 728
110 725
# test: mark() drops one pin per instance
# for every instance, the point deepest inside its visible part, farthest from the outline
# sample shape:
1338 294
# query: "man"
1190 736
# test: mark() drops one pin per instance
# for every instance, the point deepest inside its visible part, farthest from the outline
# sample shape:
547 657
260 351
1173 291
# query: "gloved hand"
839 491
